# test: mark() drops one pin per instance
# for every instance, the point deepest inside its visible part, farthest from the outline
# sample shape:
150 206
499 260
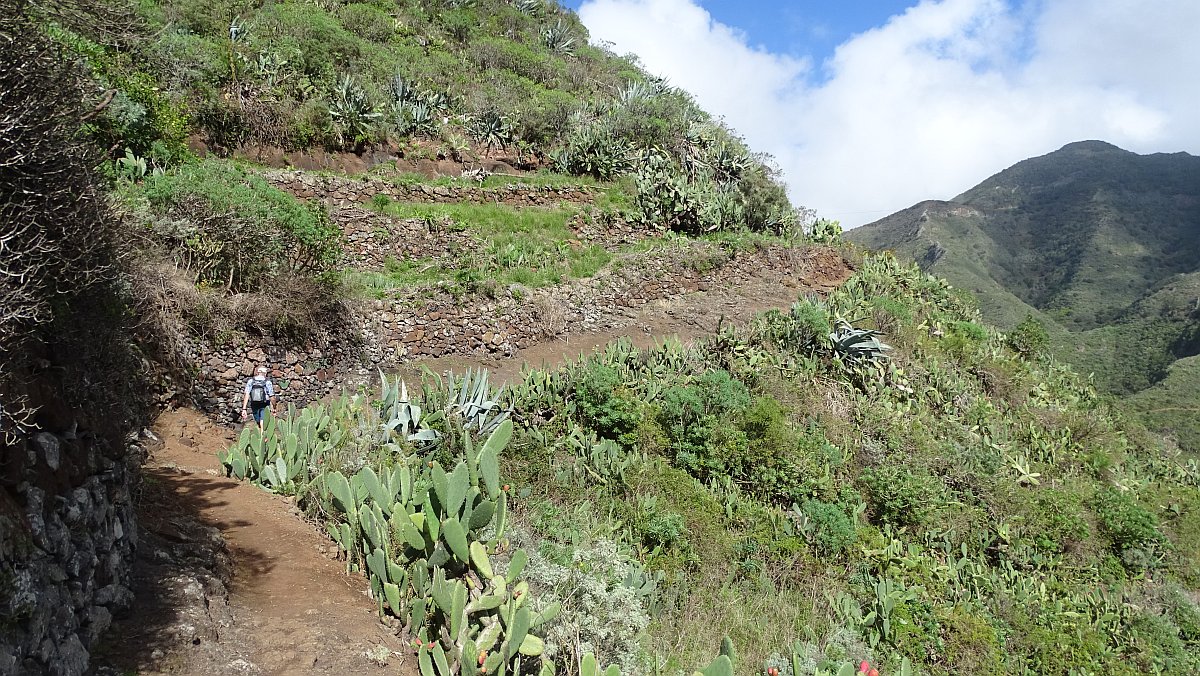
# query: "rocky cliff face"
67 552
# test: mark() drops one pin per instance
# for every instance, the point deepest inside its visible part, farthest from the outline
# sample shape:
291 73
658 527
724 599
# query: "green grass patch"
529 246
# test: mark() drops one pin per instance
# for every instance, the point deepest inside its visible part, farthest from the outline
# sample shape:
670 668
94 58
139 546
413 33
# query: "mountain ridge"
1097 243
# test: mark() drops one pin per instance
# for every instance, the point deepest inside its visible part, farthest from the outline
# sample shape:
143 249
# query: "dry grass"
550 316
760 621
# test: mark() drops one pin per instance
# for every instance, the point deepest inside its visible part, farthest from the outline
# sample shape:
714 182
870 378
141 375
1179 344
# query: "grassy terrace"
531 247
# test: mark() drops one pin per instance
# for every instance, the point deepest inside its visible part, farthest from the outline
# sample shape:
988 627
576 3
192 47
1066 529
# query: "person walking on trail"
258 396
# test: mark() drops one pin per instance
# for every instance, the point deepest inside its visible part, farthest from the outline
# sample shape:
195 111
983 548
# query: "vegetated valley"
869 473
1097 245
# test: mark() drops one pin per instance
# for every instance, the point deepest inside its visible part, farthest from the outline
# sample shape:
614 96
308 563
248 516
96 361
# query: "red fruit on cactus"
504 488
482 658
864 667
873 672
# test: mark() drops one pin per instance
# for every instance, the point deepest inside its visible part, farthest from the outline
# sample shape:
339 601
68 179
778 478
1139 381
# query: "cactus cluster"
419 538
596 460
423 535
541 393
279 456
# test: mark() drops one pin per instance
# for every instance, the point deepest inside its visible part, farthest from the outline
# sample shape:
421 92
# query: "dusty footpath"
232 580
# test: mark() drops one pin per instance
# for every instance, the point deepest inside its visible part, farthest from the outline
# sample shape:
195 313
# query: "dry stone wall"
370 238
67 558
344 191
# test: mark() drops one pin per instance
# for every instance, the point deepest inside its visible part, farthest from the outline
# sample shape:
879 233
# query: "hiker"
259 394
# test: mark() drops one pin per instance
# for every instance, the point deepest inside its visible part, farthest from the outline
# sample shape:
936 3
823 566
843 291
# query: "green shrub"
664 529
366 21
1029 337
603 405
700 420
1158 646
1058 520
833 529
900 496
970 643
1131 528
231 229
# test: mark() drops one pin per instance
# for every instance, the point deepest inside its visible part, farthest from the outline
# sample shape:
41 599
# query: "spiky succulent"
857 343
559 37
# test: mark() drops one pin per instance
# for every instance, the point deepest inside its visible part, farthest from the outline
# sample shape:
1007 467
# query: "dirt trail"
232 580
685 318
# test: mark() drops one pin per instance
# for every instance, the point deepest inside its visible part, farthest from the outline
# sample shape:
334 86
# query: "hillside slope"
954 508
1101 245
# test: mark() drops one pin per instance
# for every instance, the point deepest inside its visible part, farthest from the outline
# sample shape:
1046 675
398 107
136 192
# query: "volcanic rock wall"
67 552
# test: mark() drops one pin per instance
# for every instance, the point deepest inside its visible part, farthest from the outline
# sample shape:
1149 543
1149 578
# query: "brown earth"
232 579
684 318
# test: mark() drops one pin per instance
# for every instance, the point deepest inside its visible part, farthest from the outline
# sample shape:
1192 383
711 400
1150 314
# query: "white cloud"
936 99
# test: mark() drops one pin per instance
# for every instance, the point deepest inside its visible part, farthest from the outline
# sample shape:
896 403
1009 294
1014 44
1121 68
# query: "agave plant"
399 415
403 91
413 119
559 38
533 8
491 129
728 163
471 399
352 111
637 91
857 343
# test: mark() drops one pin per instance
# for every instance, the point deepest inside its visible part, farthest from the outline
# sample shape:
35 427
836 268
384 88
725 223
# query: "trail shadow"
183 572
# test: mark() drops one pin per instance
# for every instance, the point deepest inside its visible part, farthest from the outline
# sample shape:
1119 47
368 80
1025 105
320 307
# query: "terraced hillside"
836 463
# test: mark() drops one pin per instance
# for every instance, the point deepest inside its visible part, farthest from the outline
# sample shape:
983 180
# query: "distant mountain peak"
1092 146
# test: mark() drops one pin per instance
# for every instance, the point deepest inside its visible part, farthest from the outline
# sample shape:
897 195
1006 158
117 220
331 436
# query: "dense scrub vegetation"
797 486
64 346
220 251
429 78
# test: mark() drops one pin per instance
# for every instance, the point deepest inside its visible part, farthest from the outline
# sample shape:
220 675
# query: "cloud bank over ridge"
938 98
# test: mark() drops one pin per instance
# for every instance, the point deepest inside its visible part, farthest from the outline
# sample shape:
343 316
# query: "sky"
870 106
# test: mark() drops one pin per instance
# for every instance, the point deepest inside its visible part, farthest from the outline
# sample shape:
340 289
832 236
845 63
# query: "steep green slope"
1089 229
423 79
954 507
1171 405
1100 245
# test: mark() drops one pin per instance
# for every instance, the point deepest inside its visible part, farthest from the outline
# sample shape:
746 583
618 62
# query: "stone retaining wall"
343 191
68 554
371 237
